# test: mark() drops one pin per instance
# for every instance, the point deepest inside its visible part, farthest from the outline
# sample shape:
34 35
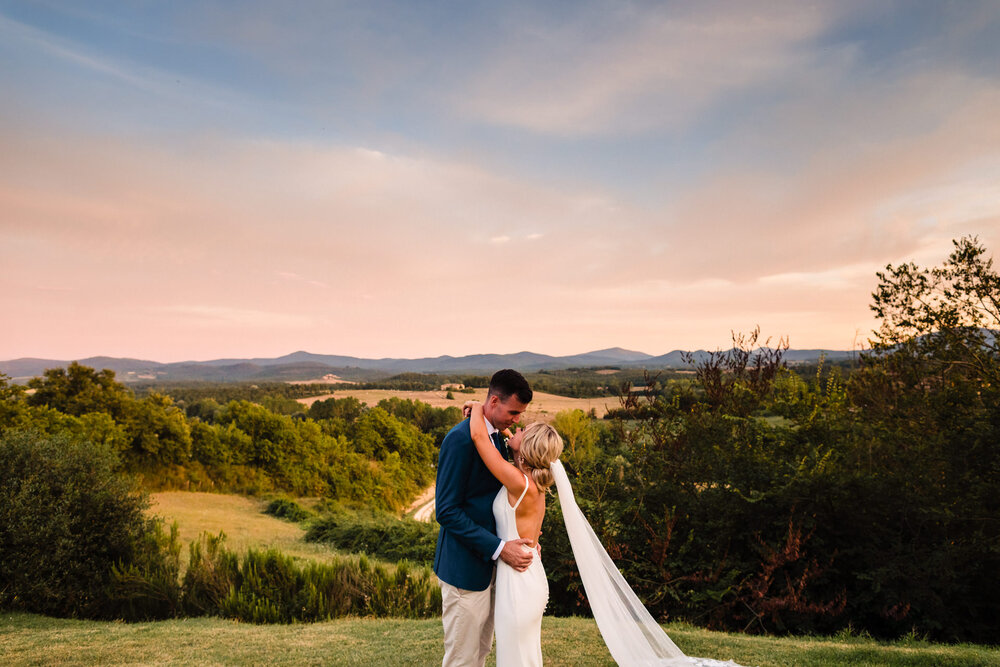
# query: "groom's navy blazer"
464 506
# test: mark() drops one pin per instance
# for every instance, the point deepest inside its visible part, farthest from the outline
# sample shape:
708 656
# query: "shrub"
284 508
269 587
72 530
147 588
211 574
381 535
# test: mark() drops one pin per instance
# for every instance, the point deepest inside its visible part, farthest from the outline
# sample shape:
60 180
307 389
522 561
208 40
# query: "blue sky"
196 180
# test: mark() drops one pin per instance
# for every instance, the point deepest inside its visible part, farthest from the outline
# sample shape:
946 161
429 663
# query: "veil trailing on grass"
629 630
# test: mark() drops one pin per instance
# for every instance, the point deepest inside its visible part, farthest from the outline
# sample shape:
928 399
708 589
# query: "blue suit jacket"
464 506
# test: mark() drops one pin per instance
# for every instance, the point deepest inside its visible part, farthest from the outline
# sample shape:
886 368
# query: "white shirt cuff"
496 554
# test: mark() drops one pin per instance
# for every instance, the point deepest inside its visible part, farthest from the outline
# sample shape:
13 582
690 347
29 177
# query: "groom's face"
504 414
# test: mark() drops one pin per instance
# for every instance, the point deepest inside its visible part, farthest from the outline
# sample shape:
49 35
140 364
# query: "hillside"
307 366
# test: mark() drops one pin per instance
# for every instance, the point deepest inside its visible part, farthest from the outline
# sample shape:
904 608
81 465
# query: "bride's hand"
467 408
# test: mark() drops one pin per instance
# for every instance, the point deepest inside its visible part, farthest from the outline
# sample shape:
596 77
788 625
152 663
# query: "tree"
68 520
78 389
12 407
576 429
160 432
928 394
947 316
347 408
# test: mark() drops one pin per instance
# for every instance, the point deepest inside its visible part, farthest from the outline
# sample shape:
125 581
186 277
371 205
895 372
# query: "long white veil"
632 635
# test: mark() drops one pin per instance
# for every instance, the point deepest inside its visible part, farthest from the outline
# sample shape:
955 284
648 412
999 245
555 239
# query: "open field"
543 406
241 518
27 639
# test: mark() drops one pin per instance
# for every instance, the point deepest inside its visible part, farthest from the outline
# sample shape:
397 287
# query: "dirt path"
424 513
423 506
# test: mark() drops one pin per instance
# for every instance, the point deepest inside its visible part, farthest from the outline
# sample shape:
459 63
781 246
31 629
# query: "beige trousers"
468 625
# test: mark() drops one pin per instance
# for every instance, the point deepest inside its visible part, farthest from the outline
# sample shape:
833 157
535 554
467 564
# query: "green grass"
26 639
241 518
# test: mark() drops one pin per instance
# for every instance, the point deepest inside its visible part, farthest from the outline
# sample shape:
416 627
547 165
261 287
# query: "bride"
631 634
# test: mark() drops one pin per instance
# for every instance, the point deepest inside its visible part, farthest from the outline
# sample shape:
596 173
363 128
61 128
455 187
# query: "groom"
467 546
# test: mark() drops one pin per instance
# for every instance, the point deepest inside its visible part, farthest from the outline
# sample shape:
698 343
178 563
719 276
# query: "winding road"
423 506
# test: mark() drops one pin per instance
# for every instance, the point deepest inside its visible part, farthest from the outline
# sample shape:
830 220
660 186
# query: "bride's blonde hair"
540 446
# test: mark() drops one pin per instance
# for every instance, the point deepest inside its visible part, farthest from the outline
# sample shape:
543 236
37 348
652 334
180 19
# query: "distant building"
454 385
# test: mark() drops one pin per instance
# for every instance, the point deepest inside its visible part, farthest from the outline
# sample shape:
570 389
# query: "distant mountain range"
309 366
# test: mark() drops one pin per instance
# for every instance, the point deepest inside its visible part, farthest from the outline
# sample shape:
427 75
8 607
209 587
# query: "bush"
72 531
284 508
269 587
147 588
381 535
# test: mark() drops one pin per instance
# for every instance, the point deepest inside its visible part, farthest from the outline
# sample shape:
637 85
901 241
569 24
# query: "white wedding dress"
520 596
630 632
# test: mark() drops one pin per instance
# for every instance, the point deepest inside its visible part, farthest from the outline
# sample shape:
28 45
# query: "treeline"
758 500
255 392
75 541
338 448
423 382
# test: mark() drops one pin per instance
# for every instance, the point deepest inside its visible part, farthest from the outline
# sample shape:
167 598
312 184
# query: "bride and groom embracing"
487 557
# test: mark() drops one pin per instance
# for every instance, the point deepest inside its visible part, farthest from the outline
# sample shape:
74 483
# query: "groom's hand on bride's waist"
516 556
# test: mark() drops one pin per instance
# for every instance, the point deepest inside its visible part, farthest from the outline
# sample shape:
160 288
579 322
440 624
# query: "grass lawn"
240 517
27 639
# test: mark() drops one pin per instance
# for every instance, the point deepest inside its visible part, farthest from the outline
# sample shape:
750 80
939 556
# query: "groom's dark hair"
507 383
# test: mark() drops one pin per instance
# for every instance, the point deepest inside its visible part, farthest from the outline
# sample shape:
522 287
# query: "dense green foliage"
74 541
283 508
587 382
185 393
339 448
378 534
72 530
766 502
423 382
434 421
269 587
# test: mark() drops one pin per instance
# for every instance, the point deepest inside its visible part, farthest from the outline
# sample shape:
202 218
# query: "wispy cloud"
652 174
214 315
621 69
296 278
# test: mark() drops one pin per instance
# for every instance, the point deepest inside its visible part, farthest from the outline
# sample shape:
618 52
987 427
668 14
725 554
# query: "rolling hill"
307 365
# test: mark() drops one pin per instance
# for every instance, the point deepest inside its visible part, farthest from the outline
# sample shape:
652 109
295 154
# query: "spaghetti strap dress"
520 596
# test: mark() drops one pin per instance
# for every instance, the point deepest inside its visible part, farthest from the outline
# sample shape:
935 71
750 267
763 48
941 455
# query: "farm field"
543 407
27 639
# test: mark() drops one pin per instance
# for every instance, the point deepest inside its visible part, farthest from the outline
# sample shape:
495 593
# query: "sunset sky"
195 180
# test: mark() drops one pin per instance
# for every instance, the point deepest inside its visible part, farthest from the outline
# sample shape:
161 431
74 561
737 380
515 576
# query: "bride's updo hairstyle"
540 446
